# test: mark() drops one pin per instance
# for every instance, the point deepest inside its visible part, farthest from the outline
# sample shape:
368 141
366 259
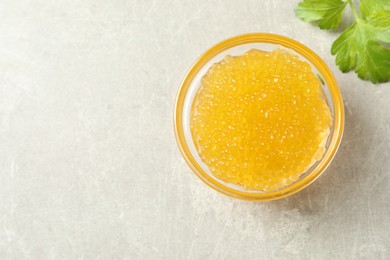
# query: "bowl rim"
314 59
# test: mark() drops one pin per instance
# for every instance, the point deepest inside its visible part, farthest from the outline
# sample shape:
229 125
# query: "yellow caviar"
260 120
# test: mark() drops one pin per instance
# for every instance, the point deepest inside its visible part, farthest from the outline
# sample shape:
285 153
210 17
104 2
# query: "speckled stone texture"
89 168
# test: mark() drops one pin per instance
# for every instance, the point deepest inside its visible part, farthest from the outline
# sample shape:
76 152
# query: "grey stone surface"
89 168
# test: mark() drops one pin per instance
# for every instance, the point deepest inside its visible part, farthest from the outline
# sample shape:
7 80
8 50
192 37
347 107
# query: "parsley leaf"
362 46
368 7
327 13
359 48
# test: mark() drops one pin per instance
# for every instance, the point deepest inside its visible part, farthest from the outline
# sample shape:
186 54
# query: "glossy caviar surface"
260 120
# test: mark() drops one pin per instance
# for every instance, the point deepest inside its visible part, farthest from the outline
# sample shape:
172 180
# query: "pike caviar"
260 120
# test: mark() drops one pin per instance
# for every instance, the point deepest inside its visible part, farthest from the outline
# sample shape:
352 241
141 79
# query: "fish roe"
260 120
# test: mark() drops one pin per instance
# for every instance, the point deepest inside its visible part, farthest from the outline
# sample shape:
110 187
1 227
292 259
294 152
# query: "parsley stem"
355 14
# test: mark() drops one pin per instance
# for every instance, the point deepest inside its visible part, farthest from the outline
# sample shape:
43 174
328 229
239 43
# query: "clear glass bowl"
237 46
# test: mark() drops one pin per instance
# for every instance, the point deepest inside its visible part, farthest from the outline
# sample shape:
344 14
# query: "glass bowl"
237 46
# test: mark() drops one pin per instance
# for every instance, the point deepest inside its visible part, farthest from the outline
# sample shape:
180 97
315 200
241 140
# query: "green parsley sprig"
362 46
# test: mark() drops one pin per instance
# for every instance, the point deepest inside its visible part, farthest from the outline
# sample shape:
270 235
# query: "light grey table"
89 168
